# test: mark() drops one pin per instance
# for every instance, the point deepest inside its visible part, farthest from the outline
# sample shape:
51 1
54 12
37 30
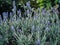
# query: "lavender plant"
41 29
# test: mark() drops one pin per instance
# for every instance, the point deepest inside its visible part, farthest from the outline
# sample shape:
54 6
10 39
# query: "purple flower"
43 11
18 11
38 42
28 3
5 14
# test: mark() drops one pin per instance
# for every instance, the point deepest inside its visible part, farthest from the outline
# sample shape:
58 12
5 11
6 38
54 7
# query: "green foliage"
35 3
47 4
32 29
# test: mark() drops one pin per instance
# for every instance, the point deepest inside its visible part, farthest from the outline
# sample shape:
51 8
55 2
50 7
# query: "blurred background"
34 3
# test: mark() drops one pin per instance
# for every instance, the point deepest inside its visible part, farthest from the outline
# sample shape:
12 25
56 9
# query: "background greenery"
35 3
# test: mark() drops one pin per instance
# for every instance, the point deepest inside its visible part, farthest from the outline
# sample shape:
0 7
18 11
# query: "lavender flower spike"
38 42
28 4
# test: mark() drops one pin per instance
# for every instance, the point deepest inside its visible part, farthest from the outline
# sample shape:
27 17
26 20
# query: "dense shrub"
40 27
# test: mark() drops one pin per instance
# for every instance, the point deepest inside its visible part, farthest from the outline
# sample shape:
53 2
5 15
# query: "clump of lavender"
31 30
28 4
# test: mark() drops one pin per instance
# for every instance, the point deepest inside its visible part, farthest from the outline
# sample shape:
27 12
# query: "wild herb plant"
41 29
